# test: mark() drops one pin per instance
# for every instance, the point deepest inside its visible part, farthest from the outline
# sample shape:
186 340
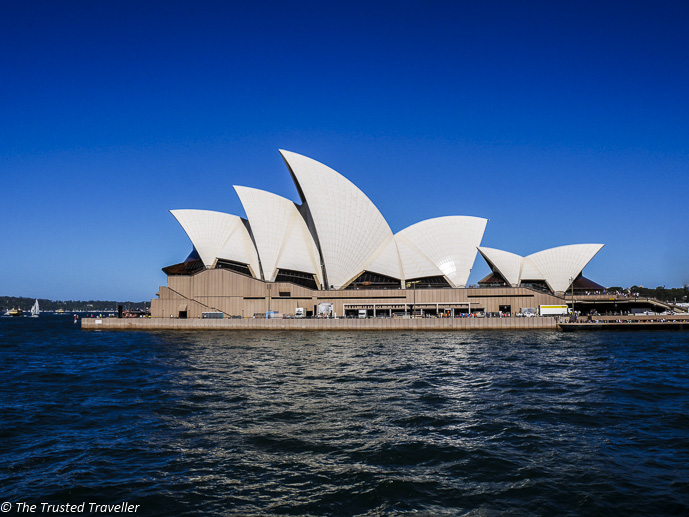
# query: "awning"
182 307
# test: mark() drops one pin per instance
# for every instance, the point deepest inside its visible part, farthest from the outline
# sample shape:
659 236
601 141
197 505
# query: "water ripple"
250 423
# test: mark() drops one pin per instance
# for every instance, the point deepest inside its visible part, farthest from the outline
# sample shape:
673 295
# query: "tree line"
673 294
25 304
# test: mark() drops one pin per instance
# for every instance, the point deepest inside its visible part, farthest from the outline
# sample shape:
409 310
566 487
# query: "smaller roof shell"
217 235
558 267
386 259
282 238
415 263
561 265
449 242
509 265
530 271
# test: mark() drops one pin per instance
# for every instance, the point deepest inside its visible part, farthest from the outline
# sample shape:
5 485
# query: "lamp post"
414 288
269 286
571 280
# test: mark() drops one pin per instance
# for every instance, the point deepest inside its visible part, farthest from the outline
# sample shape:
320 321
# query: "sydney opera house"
334 254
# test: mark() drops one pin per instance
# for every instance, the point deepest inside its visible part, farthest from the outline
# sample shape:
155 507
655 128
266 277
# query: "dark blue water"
259 423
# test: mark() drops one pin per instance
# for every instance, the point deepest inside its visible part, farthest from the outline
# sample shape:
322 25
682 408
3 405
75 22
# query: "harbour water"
345 423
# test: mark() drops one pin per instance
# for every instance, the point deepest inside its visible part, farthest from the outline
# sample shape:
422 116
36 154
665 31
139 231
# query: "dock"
320 324
630 322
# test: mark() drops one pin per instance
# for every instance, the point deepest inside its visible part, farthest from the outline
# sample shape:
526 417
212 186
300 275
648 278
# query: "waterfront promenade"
320 324
627 322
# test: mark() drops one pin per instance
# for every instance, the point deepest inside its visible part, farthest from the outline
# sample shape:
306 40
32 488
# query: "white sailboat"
35 311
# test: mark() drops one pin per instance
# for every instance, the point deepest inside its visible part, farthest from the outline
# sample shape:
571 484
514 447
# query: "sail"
35 311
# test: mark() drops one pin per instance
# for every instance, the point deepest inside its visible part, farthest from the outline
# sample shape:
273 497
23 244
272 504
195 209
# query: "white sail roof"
340 230
386 260
530 271
218 235
449 242
561 265
282 238
349 227
415 263
508 264
558 267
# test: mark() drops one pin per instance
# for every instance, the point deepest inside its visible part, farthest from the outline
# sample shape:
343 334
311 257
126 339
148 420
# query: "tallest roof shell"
349 227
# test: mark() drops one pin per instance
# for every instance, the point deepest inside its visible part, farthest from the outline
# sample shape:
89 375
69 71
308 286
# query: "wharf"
634 322
320 324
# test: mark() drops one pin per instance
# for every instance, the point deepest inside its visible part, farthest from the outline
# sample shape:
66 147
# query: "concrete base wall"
320 324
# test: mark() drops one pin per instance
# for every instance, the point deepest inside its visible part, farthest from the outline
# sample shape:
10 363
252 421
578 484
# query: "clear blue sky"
561 122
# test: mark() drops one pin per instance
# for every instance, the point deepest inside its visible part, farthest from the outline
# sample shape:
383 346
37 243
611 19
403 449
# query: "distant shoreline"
24 303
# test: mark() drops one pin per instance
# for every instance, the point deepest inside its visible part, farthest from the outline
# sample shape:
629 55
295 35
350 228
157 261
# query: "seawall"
320 324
